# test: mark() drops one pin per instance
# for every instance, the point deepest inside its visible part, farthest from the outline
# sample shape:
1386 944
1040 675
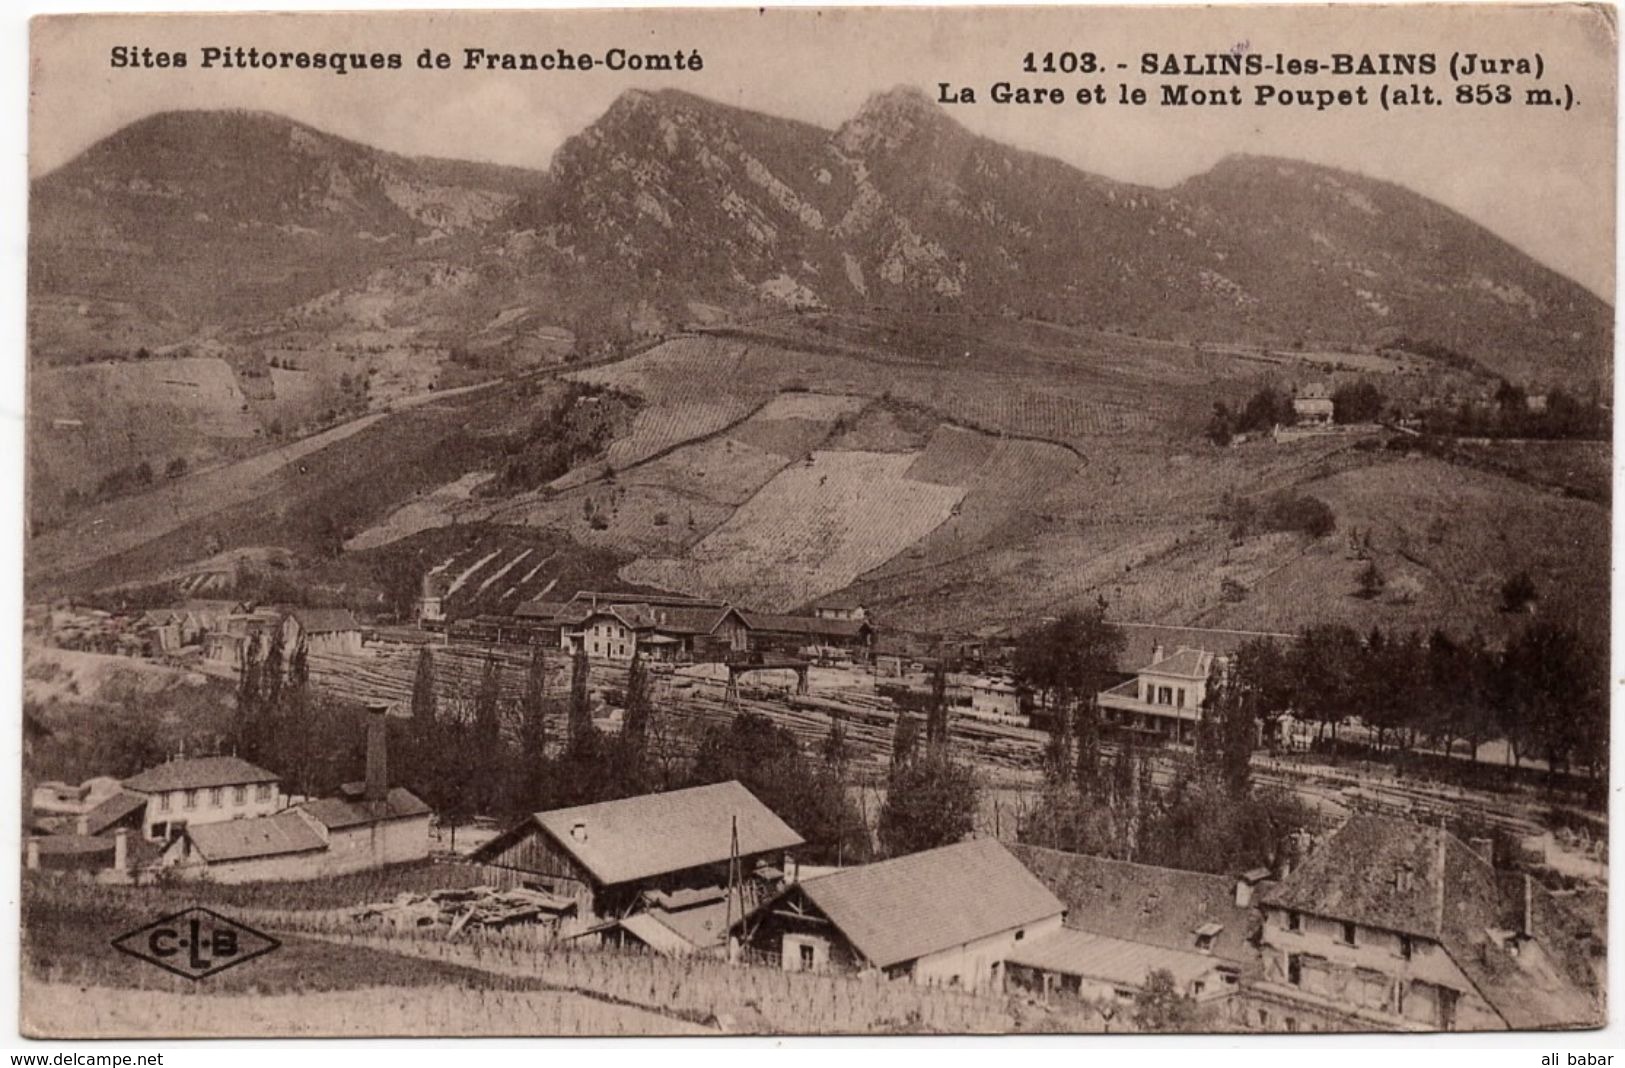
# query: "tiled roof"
639 837
838 601
1114 960
702 926
262 836
338 813
324 620
553 611
1186 663
681 620
911 906
634 616
1143 638
112 810
1353 876
810 626
1156 906
602 598
198 773
1550 981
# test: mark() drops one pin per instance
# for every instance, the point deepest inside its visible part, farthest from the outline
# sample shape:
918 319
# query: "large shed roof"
653 834
912 906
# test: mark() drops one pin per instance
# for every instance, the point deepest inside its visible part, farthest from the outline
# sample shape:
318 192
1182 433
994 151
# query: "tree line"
1198 811
481 753
1544 693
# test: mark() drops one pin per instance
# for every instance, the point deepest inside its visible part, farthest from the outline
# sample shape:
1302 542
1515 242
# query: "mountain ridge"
673 201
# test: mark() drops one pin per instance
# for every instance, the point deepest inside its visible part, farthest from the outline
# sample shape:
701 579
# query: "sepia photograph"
818 522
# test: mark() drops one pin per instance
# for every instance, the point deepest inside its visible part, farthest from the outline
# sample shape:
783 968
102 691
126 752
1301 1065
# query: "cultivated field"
812 529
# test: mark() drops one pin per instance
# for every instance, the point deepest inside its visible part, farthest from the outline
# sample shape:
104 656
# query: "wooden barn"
609 856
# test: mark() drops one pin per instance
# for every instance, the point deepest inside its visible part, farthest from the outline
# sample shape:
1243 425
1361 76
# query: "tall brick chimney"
377 751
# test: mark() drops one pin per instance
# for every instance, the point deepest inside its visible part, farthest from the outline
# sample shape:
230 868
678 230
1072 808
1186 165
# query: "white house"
1313 405
1165 697
200 790
370 824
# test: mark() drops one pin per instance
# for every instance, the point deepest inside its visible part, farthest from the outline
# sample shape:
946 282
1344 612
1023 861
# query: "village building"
607 857
1312 404
325 631
242 630
370 824
1126 920
684 634
986 697
681 923
613 632
839 606
193 791
430 606
1164 699
1391 925
812 637
944 917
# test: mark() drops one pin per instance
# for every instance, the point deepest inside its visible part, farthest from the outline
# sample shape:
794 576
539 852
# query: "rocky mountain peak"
894 118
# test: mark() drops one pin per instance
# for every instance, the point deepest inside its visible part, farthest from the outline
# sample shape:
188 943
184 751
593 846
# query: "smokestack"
121 849
1156 652
377 751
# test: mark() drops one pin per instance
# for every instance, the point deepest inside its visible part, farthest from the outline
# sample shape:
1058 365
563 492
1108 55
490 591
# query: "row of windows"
239 796
1164 695
1350 934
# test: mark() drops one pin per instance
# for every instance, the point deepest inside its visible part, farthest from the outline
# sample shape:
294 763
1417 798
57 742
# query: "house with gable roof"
1391 925
1164 699
1126 920
950 916
608 857
192 791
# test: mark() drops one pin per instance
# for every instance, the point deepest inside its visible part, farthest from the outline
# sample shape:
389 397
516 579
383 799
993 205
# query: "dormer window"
1205 936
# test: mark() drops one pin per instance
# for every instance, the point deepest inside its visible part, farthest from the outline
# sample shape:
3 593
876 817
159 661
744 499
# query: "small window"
1021 934
1405 947
163 802
1294 922
239 795
216 795
1294 970
1197 987
1263 1018
191 799
1348 933
1291 1024
262 792
806 957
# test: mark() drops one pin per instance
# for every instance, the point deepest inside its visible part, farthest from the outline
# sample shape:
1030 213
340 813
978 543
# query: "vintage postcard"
818 521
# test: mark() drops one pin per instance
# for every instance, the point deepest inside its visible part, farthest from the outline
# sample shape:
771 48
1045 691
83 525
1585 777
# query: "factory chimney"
377 751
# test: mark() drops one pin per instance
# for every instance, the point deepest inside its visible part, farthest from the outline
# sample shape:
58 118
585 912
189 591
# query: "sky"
1542 178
